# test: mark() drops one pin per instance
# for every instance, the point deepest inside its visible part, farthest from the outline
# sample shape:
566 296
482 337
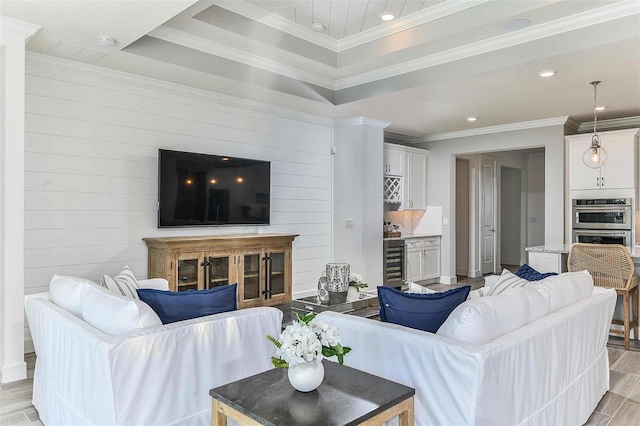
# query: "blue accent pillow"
172 306
530 274
422 311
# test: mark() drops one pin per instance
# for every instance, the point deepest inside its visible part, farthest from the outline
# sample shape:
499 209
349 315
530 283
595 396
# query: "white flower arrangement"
307 339
356 280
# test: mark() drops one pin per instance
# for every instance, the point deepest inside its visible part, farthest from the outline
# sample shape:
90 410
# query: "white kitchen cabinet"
619 172
415 180
422 259
393 161
548 261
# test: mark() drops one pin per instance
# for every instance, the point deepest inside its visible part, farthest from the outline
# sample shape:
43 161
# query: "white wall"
441 178
536 199
92 139
510 214
462 217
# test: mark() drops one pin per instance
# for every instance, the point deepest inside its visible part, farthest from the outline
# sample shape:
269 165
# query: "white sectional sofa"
153 376
550 371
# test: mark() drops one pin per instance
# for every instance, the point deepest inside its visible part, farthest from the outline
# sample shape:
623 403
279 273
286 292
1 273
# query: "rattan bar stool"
611 267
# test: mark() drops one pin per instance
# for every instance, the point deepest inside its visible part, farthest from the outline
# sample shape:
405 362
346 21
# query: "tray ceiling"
424 72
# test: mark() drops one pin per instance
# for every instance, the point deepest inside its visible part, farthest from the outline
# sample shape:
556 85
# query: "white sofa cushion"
564 289
115 315
124 283
66 292
484 319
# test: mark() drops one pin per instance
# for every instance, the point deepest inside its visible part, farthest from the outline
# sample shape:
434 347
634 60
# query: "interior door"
488 221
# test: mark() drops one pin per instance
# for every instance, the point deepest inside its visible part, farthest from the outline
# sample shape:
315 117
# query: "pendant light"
595 156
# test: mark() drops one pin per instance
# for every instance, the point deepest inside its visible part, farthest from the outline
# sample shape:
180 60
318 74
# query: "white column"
357 196
13 36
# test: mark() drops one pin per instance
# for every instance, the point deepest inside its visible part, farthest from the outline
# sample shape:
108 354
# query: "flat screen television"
212 190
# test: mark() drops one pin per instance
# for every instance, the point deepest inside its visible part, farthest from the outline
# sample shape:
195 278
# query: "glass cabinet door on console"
218 270
265 278
189 271
276 273
250 289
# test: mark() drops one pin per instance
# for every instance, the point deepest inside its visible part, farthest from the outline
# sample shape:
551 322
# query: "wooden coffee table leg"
407 418
404 411
218 418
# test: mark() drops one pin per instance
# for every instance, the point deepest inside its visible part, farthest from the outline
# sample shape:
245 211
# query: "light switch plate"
348 222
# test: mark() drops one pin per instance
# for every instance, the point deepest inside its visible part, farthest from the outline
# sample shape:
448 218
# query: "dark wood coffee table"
346 397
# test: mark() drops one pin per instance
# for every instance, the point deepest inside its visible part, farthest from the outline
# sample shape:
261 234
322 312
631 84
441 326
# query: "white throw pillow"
490 280
564 289
66 292
116 315
124 283
506 281
418 289
484 319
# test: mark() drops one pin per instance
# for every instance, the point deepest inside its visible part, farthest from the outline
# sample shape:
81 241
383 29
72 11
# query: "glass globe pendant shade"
595 156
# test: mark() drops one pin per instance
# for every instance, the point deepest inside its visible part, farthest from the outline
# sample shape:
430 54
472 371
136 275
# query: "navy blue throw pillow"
172 306
422 311
530 274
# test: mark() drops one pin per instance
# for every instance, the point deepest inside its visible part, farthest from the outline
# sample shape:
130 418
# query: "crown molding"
572 124
547 122
616 123
416 19
279 23
547 29
147 83
360 121
182 38
16 28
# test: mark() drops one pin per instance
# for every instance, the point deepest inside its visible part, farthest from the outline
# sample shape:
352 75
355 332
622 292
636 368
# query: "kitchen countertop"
408 236
634 251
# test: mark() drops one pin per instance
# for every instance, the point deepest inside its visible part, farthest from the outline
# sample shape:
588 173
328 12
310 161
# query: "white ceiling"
425 72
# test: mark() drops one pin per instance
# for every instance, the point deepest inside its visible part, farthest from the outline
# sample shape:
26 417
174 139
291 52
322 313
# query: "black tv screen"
212 190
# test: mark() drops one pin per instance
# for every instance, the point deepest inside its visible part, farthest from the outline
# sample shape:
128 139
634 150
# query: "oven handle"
605 233
611 209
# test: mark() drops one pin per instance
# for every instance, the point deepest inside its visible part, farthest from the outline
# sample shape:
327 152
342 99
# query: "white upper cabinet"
415 198
405 174
617 173
393 162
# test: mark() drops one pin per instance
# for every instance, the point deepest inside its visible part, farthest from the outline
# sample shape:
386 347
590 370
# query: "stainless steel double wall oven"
602 221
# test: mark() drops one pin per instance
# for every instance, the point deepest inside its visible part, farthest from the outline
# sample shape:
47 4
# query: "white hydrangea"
357 278
300 343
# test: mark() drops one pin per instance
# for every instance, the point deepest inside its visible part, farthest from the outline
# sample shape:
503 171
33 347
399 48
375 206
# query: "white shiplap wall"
92 139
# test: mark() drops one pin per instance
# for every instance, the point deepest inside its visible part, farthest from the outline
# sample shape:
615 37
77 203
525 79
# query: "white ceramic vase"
306 377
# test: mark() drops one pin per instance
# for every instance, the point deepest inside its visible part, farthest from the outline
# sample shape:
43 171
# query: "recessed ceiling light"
600 108
547 73
106 41
516 24
317 27
472 118
386 16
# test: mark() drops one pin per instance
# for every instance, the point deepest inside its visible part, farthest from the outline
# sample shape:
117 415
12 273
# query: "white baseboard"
474 274
13 372
448 280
